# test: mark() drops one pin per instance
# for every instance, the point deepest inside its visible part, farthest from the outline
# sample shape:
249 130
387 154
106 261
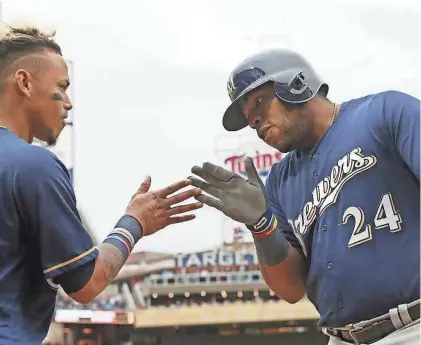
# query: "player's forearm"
108 264
285 278
112 254
281 266
147 213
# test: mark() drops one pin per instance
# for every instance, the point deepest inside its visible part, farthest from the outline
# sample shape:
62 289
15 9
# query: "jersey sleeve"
402 118
271 192
46 200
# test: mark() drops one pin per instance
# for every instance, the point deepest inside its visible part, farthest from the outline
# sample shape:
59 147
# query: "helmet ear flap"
297 85
300 87
294 91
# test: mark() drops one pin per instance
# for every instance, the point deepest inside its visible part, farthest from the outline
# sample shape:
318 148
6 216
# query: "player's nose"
68 105
254 121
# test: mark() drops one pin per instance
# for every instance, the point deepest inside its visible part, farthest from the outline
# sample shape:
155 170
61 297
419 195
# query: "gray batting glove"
241 200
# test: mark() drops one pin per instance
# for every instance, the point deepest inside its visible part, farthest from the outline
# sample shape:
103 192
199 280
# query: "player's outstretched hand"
241 200
155 210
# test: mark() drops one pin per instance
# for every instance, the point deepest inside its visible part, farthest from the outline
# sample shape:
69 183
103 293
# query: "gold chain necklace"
335 112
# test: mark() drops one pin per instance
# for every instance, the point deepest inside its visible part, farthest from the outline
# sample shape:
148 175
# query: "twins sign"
262 161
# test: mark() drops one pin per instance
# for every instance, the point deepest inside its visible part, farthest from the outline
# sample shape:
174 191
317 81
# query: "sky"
149 83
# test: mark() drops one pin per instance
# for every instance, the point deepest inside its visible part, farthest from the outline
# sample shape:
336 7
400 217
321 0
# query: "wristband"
265 226
125 235
120 243
131 225
271 245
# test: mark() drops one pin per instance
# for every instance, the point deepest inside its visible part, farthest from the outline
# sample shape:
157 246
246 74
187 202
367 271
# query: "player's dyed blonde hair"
19 40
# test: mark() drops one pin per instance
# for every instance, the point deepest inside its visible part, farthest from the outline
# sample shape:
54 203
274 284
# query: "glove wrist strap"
265 226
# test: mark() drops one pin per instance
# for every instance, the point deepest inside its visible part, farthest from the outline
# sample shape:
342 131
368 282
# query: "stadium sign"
215 258
262 161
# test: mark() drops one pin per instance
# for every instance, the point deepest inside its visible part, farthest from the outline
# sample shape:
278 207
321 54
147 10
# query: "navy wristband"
263 223
131 225
118 242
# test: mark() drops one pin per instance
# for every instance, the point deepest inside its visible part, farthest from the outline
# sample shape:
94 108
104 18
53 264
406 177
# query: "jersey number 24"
386 217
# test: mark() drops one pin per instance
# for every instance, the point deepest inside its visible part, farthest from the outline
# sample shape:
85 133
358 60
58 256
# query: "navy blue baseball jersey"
41 237
351 207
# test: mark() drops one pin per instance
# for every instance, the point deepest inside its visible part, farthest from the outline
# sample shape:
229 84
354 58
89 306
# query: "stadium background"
218 296
212 297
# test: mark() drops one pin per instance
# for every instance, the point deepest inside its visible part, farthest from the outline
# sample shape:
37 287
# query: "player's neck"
324 116
14 119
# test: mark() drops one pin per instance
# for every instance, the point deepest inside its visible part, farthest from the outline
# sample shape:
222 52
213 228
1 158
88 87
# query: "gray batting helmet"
294 80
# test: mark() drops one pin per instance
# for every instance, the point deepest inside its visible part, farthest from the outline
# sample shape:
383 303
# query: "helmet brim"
233 119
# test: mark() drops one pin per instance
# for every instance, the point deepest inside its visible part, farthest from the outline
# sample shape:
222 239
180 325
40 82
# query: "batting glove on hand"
241 200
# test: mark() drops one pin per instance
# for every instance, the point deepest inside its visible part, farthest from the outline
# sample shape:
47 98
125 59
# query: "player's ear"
24 82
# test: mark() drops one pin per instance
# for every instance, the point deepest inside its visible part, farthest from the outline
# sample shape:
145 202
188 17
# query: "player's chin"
53 135
277 141
60 128
281 145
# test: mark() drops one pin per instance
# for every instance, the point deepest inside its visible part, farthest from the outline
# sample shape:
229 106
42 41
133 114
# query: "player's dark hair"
16 42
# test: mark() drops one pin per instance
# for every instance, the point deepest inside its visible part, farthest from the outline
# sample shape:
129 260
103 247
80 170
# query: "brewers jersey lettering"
41 237
351 207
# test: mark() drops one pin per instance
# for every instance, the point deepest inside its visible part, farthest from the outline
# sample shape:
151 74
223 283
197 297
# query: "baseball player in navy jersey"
339 216
43 243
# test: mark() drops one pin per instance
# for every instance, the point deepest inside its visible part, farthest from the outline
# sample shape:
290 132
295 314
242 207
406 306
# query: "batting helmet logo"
239 81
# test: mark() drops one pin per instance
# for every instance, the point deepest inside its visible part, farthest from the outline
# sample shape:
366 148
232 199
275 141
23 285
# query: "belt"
370 331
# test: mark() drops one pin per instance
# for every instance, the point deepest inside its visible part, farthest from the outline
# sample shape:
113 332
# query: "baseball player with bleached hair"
43 243
339 216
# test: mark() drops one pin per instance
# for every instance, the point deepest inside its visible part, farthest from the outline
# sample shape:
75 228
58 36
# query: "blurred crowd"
105 301
100 303
128 296
117 302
